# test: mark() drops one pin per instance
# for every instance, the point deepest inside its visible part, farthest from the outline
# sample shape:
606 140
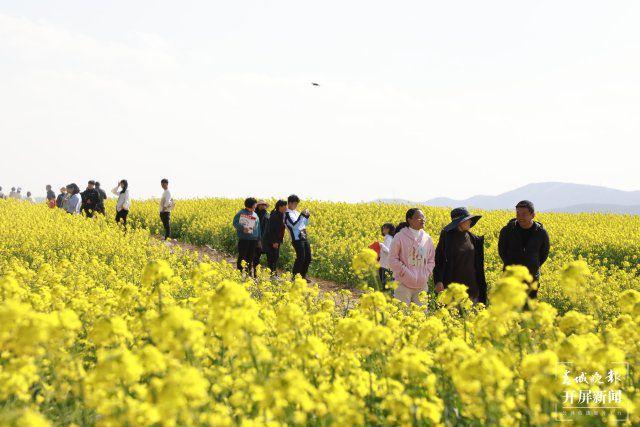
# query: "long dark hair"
280 203
74 188
390 227
125 185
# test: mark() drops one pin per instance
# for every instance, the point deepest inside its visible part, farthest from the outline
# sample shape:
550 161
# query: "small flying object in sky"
315 84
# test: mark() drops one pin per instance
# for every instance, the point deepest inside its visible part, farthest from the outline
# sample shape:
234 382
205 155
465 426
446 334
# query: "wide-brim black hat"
459 215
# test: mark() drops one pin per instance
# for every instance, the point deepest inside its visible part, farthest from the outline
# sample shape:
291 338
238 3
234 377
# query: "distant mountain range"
549 197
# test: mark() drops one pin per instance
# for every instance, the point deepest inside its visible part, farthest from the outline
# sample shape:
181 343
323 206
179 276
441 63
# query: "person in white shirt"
124 202
166 205
29 198
297 223
2 196
388 230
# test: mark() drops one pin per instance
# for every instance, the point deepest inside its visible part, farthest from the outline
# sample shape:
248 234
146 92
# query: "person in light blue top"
75 202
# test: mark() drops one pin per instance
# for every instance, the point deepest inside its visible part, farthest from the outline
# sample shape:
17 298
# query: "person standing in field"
12 193
460 256
90 199
51 197
103 197
274 235
297 223
74 203
29 198
2 196
247 225
263 216
388 230
524 241
166 206
412 258
124 202
61 197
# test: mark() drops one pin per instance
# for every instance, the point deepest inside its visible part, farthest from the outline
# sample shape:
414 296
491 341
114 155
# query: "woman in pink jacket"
412 258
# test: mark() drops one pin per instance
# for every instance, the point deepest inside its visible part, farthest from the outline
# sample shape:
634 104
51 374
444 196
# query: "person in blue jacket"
247 225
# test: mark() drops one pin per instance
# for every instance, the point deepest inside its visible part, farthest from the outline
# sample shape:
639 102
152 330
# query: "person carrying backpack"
247 225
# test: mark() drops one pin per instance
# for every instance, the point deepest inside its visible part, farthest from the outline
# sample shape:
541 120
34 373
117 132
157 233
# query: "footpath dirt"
215 255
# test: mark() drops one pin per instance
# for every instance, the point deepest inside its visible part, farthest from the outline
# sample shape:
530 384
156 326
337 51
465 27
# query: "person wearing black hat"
460 256
524 241
91 200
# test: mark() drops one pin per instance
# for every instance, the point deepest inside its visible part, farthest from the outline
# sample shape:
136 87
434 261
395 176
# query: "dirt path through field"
218 256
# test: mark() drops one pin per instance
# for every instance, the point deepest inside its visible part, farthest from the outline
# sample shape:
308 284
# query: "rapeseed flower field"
104 327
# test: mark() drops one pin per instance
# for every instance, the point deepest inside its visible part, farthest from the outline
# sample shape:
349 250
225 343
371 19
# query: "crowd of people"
16 194
91 201
408 255
262 233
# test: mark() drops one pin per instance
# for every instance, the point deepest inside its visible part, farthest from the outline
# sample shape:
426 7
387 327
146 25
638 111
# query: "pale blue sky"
417 99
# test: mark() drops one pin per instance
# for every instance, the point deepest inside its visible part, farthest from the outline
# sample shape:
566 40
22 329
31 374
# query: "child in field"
384 272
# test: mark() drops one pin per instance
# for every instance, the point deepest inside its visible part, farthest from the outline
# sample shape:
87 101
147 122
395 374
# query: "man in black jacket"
91 200
103 197
524 241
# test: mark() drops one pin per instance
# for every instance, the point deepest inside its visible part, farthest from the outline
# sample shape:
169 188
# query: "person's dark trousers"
256 258
383 274
166 222
246 253
273 255
303 257
122 215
